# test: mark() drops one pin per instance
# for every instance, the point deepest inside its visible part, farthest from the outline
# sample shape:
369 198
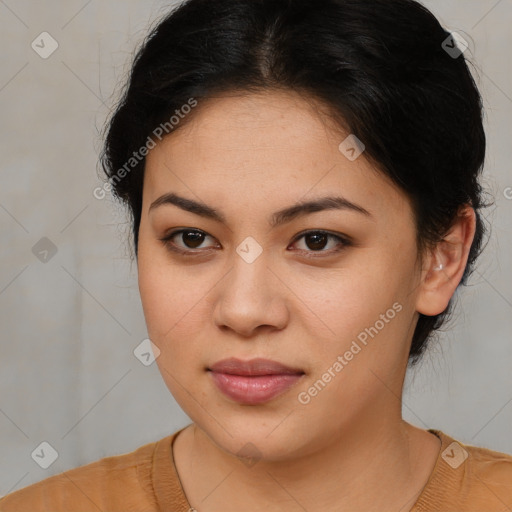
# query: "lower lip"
253 390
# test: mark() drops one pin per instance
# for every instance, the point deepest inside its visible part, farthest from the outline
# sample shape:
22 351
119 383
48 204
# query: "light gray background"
68 375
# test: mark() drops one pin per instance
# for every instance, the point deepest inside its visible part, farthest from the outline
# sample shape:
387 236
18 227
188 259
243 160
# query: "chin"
266 438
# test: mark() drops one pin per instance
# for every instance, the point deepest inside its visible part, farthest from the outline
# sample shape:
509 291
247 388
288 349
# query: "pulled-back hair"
382 68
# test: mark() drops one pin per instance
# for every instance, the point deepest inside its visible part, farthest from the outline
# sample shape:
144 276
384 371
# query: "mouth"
255 381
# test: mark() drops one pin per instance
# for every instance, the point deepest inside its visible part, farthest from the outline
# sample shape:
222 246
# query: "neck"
378 464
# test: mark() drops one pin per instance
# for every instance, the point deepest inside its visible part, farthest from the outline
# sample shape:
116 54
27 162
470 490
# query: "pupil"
319 240
196 238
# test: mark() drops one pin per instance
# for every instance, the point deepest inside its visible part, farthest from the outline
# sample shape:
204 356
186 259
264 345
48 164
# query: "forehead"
276 145
236 116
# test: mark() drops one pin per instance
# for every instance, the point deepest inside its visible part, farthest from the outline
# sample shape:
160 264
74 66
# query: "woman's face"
339 312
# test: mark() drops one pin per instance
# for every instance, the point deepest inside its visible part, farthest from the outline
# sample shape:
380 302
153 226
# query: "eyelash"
345 242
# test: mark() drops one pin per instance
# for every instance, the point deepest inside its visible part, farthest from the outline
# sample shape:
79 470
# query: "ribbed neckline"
170 495
169 492
443 479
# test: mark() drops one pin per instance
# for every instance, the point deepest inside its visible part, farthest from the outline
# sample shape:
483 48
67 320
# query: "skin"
249 156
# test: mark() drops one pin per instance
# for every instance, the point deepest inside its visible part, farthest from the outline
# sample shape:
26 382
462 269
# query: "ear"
445 264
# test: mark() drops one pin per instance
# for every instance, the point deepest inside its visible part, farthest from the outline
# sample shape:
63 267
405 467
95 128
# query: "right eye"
190 238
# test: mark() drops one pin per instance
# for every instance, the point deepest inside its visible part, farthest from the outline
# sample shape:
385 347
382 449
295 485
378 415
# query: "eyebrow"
278 218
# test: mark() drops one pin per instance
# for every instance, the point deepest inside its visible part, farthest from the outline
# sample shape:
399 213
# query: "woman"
303 182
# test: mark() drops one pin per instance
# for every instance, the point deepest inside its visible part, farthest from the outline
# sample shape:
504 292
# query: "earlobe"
446 264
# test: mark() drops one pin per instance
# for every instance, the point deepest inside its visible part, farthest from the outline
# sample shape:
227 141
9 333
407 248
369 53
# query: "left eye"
315 241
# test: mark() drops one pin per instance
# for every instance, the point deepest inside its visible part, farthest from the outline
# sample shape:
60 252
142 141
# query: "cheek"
176 309
170 293
368 322
368 303
173 314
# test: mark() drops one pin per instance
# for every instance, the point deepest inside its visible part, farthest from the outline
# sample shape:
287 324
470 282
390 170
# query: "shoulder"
492 468
116 483
469 478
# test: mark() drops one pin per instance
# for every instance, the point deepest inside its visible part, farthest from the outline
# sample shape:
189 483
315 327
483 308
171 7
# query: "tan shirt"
464 479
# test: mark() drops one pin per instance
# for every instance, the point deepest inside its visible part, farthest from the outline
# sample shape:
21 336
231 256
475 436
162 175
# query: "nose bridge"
250 262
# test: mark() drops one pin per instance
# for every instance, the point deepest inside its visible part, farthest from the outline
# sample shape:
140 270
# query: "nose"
251 298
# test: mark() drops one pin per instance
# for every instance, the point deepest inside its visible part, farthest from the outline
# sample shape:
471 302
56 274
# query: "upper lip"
258 366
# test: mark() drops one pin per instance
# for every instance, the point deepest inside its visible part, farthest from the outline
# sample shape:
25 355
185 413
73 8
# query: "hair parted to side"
378 66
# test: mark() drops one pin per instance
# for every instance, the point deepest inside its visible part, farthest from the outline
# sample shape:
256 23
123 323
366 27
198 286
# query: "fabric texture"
464 479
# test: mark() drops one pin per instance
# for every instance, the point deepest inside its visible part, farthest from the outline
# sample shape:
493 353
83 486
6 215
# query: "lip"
255 381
